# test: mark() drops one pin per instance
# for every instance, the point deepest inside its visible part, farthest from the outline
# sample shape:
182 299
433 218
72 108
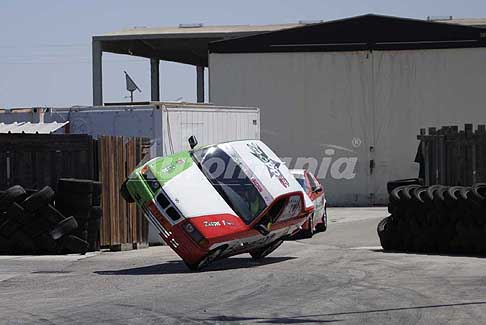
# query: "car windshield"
230 181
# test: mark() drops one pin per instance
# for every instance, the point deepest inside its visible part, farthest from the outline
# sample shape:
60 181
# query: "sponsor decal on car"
272 165
217 223
212 224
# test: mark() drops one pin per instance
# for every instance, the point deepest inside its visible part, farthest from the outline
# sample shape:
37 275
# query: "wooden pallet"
452 156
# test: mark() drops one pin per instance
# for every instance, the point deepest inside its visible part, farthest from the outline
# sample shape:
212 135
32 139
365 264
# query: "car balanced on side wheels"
220 200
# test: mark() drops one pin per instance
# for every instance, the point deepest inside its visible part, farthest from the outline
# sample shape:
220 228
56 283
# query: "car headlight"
189 228
194 233
150 179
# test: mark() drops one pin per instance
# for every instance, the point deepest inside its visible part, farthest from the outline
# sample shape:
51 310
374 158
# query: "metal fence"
450 156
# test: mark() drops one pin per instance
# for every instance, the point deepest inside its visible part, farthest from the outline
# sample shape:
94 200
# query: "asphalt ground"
339 276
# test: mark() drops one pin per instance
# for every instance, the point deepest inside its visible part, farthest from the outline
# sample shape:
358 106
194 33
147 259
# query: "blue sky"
45 46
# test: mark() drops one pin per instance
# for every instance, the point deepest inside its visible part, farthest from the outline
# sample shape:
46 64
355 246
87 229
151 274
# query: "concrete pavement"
338 276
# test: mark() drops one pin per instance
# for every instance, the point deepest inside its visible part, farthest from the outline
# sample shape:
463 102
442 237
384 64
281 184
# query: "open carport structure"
187 44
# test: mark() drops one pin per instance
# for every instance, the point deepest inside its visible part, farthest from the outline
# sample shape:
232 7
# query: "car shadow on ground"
176 267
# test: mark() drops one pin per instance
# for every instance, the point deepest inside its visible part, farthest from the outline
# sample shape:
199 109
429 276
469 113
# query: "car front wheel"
266 250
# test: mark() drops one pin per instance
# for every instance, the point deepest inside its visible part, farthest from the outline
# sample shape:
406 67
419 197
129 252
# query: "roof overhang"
182 44
367 32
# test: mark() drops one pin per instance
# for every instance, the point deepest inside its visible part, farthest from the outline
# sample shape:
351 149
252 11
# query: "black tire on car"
266 250
322 227
309 232
212 256
125 193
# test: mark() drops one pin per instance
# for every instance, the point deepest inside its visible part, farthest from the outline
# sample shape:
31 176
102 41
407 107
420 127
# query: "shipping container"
167 124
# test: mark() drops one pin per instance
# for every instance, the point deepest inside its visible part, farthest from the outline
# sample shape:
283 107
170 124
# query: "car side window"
274 212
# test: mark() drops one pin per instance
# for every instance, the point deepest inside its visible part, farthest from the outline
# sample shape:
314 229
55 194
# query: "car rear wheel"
309 232
321 227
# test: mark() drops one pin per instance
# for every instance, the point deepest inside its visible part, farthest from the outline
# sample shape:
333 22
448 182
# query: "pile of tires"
40 222
435 219
82 199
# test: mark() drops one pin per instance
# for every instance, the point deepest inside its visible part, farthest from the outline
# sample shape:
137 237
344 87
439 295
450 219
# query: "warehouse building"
347 98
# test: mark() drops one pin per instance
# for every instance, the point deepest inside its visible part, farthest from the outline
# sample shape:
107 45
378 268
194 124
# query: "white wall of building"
343 109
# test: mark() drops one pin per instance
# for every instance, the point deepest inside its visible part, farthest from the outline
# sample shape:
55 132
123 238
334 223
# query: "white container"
167 124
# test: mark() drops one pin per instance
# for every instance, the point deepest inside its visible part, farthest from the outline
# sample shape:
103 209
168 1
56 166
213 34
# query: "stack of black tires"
41 222
435 219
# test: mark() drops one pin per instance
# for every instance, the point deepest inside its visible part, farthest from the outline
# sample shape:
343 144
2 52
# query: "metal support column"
97 72
154 80
200 84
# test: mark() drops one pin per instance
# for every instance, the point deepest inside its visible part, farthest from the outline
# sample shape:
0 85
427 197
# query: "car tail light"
194 233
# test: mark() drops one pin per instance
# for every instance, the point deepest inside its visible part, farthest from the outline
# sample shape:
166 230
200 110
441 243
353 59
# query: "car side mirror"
262 229
192 141
317 189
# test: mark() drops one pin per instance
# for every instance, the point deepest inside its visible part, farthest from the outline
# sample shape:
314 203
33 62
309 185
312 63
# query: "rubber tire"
95 213
70 202
391 185
39 200
13 194
266 250
211 257
63 228
408 191
308 233
73 185
75 244
385 235
322 227
18 214
97 193
396 194
52 215
8 228
125 193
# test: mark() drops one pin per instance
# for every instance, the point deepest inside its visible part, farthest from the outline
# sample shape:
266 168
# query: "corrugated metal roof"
31 128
